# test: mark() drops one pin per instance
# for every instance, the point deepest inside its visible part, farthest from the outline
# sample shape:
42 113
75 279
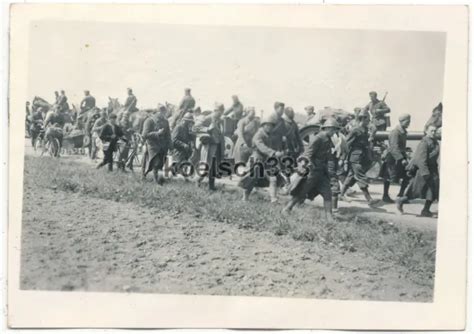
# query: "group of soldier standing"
339 153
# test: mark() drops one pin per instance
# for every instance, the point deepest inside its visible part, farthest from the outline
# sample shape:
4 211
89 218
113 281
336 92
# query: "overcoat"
246 129
358 144
424 165
293 142
182 140
317 181
263 149
209 132
157 144
107 135
392 167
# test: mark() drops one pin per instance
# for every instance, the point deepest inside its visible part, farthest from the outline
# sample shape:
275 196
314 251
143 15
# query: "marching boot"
400 201
386 197
370 201
246 195
334 203
403 187
342 196
328 211
426 209
272 190
287 209
212 183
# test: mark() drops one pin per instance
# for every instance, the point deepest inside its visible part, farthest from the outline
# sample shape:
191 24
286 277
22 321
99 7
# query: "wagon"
73 142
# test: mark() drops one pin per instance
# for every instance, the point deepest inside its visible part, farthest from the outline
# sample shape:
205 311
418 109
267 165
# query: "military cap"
373 93
218 107
161 107
309 108
271 119
404 117
278 104
331 123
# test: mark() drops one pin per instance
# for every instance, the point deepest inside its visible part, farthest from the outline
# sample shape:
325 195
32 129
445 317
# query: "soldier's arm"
175 139
382 108
262 147
351 137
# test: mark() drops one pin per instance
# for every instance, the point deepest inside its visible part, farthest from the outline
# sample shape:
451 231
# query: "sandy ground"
108 246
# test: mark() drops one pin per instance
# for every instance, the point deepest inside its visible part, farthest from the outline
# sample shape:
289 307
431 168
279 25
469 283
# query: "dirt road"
74 242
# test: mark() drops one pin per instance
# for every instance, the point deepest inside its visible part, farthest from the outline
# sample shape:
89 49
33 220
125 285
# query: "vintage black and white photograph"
231 160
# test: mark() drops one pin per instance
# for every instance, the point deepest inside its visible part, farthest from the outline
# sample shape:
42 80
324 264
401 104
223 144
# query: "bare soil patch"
77 238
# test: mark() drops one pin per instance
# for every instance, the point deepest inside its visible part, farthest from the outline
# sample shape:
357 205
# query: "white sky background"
334 68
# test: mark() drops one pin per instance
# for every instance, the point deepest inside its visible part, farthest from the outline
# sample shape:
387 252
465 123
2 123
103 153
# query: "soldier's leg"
334 181
386 197
104 160
272 189
426 209
349 181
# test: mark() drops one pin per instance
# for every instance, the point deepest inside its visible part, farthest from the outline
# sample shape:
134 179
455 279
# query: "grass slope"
406 247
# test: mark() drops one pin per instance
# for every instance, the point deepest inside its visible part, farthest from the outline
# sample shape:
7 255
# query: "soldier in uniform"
293 142
246 129
110 134
88 140
279 130
236 111
88 102
336 164
264 148
359 158
317 181
62 102
186 104
131 102
156 132
354 121
37 120
212 144
310 114
182 140
394 167
424 167
54 124
378 110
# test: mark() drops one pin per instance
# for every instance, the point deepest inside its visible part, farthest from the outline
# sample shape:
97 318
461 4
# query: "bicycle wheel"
54 147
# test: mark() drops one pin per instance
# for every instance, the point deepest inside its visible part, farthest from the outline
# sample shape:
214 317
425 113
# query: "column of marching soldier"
338 153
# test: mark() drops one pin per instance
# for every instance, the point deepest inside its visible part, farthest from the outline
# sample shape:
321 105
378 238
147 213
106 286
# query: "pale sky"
300 67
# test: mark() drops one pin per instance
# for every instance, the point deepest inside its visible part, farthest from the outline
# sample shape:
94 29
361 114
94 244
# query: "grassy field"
379 240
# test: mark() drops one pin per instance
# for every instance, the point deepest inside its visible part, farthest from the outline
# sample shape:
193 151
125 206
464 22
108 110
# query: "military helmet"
270 119
331 123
